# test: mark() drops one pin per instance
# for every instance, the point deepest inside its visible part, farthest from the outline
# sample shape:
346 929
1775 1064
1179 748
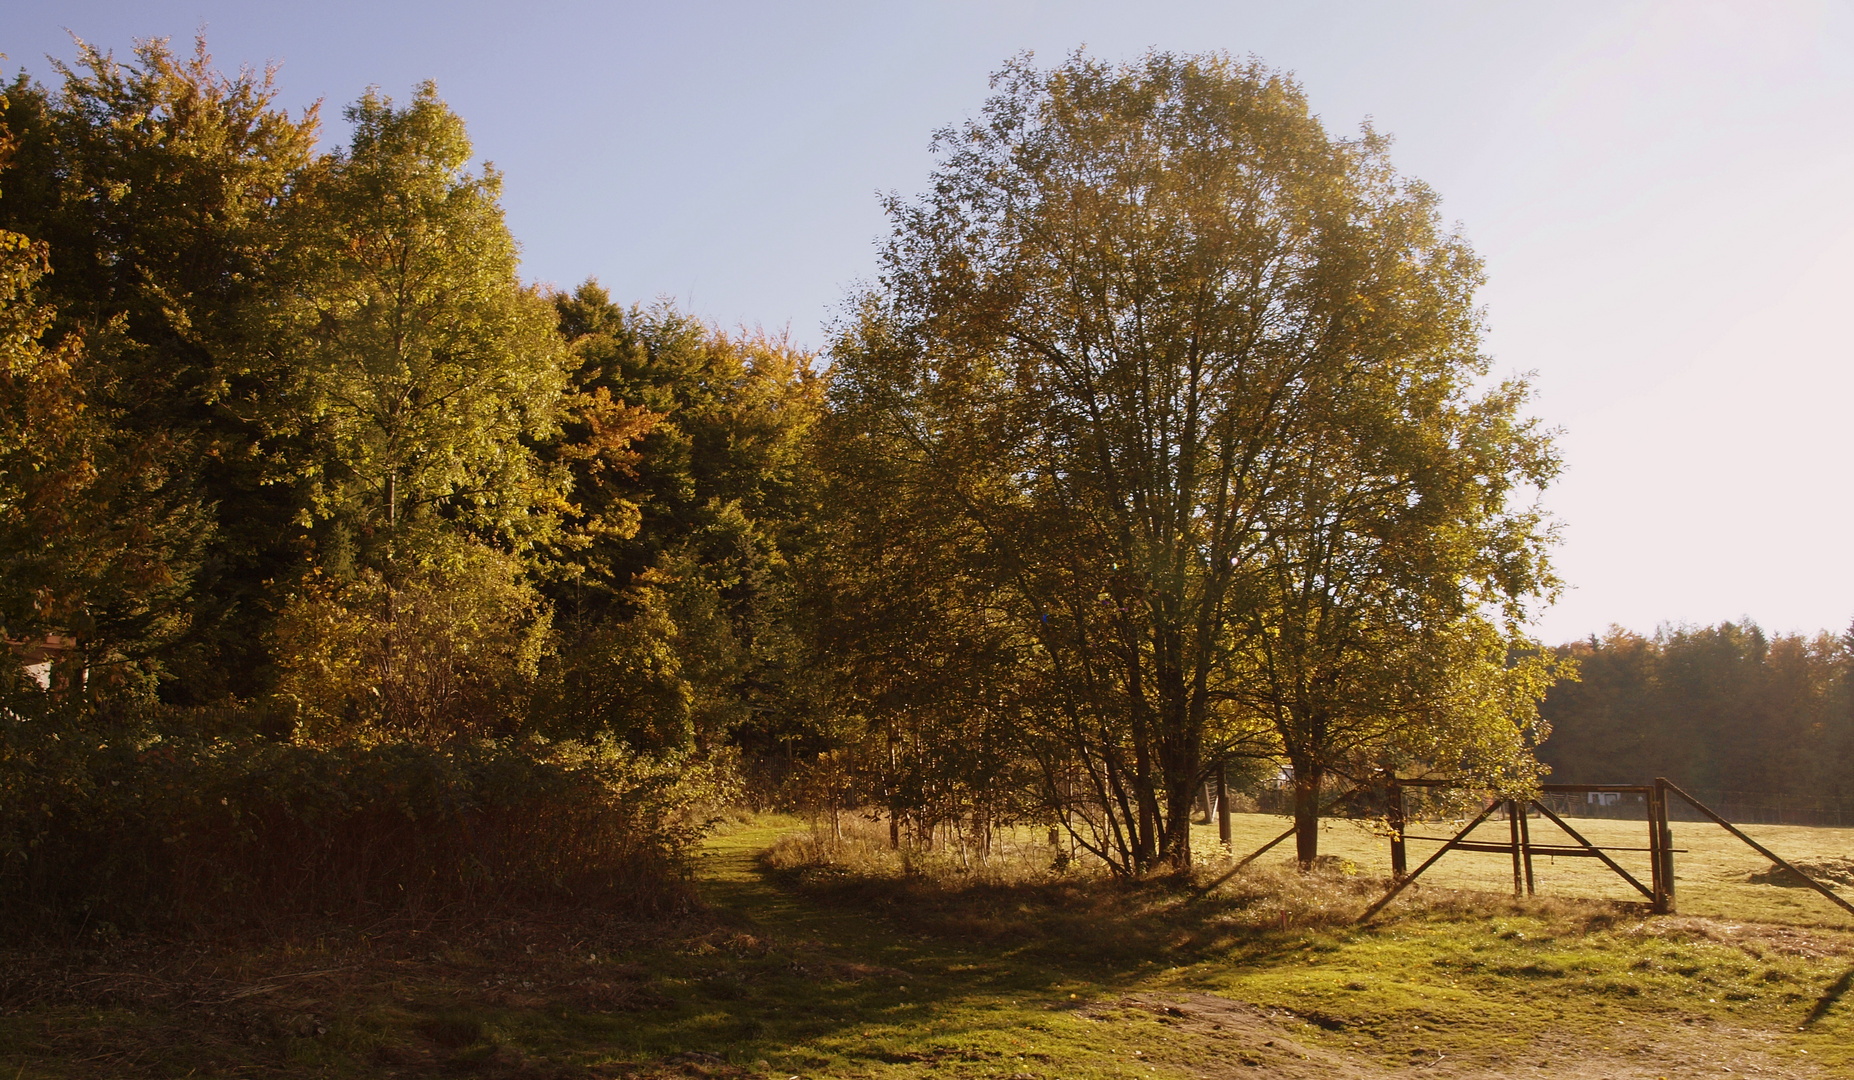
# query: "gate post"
1512 825
1525 841
1394 811
1657 895
1664 834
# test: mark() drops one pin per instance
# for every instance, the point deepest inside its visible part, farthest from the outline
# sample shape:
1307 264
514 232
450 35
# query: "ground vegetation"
791 969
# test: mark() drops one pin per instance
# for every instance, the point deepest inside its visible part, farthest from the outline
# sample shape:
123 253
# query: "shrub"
138 830
448 647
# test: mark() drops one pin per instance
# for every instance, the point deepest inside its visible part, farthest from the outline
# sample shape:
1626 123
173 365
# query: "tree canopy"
1173 398
1725 708
288 438
1163 444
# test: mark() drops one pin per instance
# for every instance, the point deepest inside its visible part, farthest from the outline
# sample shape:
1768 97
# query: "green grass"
846 968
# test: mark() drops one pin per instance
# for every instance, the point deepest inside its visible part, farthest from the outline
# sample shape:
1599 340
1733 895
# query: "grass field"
1711 875
801 968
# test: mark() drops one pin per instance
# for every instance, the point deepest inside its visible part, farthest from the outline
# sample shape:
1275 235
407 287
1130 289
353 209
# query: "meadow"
1712 869
803 956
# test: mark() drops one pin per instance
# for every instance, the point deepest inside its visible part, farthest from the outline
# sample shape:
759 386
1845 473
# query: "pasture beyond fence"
1657 805
1741 807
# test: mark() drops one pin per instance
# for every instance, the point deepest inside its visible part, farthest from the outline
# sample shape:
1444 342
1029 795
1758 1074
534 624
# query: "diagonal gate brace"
1427 863
1594 850
1761 849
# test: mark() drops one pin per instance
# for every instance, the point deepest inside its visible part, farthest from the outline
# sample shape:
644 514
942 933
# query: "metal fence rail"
1744 807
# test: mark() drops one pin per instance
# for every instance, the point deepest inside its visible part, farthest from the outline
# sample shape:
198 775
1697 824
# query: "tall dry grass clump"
1023 894
851 845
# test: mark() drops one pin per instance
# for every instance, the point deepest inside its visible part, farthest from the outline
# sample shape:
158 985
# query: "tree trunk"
1223 806
1143 845
1177 839
894 798
1307 813
1146 829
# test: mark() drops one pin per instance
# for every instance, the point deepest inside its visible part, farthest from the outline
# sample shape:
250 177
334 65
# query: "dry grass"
1017 894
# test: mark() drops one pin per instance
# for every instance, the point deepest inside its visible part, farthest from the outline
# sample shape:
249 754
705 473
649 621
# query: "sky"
1660 192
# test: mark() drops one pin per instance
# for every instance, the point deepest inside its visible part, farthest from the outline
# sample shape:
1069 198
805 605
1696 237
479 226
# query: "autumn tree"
1384 624
427 373
927 680
690 489
51 561
1102 350
1729 707
151 187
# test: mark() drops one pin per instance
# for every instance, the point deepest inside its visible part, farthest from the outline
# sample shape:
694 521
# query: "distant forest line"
1718 708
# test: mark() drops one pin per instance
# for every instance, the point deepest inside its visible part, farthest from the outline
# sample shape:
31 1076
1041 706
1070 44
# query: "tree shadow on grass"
1830 997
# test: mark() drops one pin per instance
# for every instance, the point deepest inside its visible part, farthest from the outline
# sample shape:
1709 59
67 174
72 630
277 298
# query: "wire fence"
1739 807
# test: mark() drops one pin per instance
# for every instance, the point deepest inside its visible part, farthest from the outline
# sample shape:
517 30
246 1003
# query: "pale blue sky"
1661 191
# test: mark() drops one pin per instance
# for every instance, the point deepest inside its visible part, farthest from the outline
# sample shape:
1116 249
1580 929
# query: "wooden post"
1399 859
1666 835
1223 805
1657 858
1512 826
1654 858
1525 842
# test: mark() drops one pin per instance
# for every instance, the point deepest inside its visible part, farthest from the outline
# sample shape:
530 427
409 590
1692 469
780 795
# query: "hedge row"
137 830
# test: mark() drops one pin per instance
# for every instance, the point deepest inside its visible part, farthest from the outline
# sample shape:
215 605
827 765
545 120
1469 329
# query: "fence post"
1512 825
1525 842
1658 893
1665 834
1399 860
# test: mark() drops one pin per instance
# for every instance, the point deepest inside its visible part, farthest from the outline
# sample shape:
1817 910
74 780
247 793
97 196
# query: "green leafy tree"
428 374
154 185
451 646
429 368
1102 348
689 491
1384 614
